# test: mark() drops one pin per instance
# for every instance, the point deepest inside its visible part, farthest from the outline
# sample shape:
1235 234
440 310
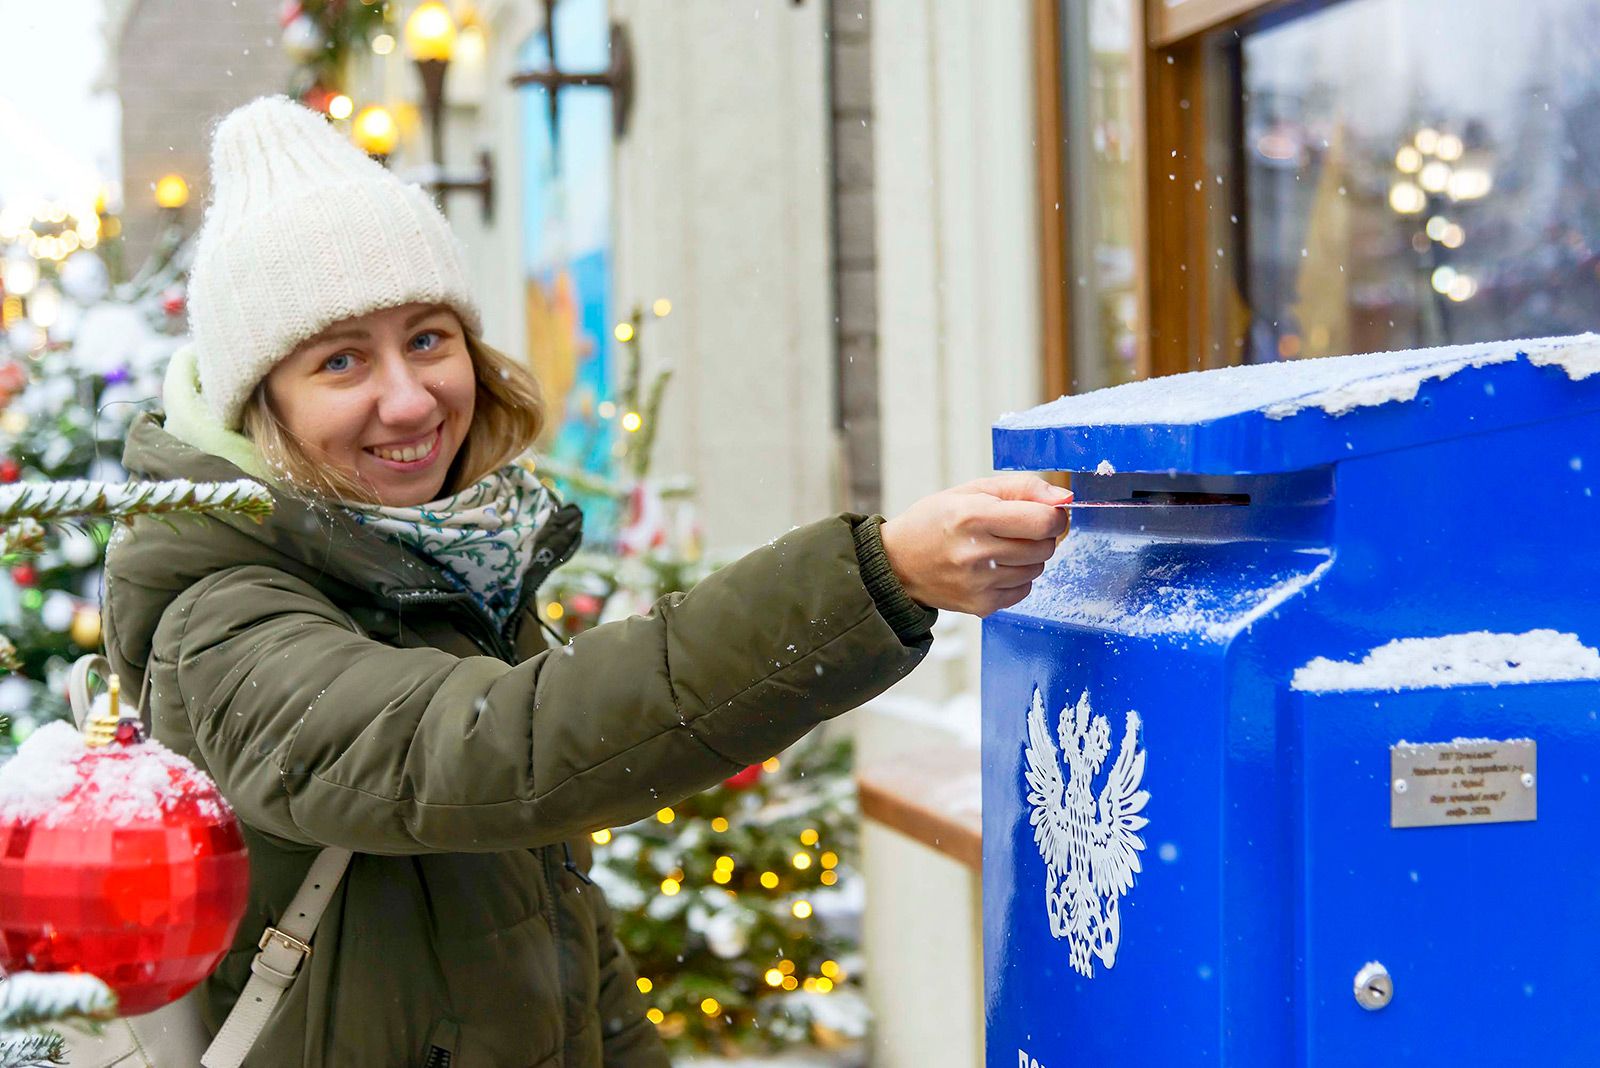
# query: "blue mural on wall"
567 243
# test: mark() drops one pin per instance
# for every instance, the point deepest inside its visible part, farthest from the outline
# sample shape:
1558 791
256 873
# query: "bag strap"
283 950
78 685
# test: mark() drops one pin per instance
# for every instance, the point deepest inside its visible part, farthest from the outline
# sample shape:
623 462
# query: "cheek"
326 422
458 389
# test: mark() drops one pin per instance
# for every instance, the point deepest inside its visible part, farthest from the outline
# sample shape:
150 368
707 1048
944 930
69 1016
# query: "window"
1249 181
1420 172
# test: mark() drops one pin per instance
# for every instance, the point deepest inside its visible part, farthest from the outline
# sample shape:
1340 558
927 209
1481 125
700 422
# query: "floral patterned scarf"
482 537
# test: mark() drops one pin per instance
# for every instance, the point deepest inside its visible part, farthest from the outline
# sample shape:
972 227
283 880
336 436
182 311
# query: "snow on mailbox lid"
1297 414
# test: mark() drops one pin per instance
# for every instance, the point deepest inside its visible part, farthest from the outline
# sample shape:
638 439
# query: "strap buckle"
287 941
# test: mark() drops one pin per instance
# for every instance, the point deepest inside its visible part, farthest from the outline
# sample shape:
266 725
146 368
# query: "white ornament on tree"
302 39
57 611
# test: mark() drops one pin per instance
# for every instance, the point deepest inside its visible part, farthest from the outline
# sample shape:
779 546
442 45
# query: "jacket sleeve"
321 735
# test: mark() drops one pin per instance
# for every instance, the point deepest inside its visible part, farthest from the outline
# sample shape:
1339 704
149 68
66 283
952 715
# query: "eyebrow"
361 335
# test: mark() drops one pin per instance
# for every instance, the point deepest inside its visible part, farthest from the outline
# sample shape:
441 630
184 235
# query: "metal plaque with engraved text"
1469 780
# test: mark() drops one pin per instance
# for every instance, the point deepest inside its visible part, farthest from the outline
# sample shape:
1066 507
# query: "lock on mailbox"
1311 715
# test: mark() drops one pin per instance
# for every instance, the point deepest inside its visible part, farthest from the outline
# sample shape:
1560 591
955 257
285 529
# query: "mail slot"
1292 756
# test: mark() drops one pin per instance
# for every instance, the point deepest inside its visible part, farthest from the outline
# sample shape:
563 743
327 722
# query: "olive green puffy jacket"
343 693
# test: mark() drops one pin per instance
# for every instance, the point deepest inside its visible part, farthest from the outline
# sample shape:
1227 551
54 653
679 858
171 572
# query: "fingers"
1026 520
997 600
1021 552
1006 578
1019 486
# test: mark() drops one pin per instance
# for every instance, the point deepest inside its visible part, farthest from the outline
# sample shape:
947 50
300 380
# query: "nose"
404 399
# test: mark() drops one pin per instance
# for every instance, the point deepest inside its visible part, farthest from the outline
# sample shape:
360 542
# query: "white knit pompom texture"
303 230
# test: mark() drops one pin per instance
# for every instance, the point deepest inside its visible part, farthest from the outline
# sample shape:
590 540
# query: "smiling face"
384 398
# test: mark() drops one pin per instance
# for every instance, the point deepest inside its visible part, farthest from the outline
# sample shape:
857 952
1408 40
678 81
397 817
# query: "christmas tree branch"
25 537
29 1050
9 661
49 502
30 998
644 449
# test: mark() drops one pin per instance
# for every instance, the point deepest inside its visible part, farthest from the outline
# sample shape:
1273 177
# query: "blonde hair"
507 418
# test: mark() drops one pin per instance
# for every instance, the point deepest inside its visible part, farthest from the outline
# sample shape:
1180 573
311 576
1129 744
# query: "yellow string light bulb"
655 1016
809 836
710 1006
719 825
801 861
786 966
802 910
829 878
172 191
774 977
341 107
721 877
375 131
830 968
601 837
632 422
666 815
824 985
645 985
830 859
790 982
623 332
662 307
725 863
555 611
670 886
430 32
769 879
770 765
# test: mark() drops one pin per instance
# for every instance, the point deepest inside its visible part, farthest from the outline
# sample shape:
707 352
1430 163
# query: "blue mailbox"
1292 757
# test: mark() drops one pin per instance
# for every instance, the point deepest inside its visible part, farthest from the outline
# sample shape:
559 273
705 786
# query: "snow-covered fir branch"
49 502
31 1050
31 998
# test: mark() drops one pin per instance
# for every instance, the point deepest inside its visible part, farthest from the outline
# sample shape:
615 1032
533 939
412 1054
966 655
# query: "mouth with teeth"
409 455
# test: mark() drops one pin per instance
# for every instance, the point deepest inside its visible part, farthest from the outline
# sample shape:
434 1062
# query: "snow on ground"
1475 659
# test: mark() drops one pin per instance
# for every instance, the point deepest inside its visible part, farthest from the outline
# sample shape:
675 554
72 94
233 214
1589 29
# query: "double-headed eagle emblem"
1090 851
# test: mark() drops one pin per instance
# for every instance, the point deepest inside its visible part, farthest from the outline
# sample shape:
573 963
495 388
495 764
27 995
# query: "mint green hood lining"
189 418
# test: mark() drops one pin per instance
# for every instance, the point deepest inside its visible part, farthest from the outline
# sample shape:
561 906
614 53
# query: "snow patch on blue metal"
1137 587
1335 384
1301 414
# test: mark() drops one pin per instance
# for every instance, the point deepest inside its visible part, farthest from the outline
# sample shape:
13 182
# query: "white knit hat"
304 230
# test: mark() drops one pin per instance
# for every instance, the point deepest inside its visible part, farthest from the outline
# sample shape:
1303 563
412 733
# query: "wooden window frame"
1175 296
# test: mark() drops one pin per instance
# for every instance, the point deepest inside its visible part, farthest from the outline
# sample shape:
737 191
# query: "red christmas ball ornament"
13 376
744 779
24 575
174 302
317 98
10 470
586 604
120 860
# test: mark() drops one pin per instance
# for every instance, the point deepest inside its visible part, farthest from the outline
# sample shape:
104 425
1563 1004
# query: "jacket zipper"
555 927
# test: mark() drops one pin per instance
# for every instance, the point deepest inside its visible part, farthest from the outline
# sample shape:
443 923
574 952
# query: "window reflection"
1102 189
1421 172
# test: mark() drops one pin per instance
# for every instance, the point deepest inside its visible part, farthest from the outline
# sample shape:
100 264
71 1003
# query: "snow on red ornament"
744 779
120 860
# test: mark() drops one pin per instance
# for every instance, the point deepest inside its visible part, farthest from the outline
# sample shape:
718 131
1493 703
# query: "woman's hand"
977 547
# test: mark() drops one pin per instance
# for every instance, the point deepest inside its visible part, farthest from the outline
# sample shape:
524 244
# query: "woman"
365 669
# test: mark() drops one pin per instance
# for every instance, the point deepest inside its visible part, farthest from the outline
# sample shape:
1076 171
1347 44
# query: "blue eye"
434 334
340 362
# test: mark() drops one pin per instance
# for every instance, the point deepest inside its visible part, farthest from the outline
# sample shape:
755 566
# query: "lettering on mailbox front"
1469 780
